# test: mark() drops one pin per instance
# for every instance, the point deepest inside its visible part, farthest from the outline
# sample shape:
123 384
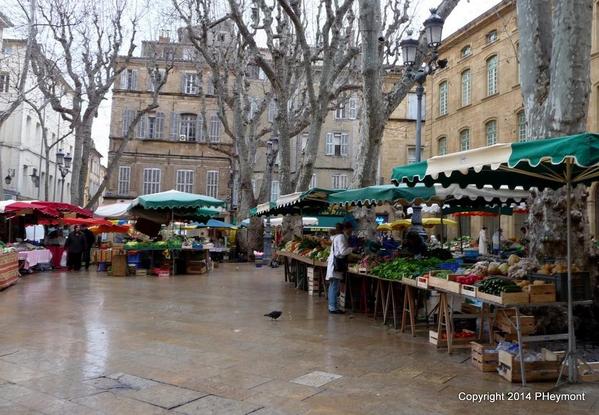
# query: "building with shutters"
476 100
173 147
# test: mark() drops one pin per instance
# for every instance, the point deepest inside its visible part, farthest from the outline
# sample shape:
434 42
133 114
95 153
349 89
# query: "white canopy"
115 210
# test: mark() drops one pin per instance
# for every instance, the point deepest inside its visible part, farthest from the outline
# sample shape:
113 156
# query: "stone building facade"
169 149
476 100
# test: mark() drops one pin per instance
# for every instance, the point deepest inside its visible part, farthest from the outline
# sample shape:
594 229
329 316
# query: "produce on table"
401 267
522 268
513 259
440 274
557 268
469 279
440 253
495 286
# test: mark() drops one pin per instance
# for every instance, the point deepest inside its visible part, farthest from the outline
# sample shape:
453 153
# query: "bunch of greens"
404 267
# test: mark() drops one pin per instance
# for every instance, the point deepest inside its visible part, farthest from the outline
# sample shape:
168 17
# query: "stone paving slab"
316 379
110 403
215 405
164 396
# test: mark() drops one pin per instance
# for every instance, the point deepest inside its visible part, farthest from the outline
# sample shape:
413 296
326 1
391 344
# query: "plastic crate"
452 266
134 258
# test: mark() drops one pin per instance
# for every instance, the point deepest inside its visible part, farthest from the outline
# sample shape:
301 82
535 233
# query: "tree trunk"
47 178
555 52
373 114
310 152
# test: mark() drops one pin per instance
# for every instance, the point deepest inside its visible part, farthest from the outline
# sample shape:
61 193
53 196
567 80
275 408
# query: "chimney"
164 36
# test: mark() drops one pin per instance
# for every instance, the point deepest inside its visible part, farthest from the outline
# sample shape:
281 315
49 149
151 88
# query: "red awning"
66 207
23 208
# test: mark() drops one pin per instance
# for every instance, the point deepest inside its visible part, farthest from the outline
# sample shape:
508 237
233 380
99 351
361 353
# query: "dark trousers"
74 260
87 258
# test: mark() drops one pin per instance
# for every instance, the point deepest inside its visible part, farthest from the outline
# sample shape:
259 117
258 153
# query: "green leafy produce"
495 286
440 253
403 267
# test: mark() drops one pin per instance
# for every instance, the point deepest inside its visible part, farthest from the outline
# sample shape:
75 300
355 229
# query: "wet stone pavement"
84 343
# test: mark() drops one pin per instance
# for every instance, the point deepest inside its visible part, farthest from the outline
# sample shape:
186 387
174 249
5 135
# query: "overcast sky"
466 11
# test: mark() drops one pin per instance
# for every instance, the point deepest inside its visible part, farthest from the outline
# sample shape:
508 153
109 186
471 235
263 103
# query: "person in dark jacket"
90 239
75 246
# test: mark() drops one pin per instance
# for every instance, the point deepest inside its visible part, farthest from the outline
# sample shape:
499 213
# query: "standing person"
337 265
55 244
496 241
90 239
483 248
75 246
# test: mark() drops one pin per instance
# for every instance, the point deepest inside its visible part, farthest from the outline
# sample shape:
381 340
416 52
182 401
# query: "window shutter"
125 123
329 147
200 128
141 127
159 125
134 79
174 126
353 108
183 82
124 79
344 144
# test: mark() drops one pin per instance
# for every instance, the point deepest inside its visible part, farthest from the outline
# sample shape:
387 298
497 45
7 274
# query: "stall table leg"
408 308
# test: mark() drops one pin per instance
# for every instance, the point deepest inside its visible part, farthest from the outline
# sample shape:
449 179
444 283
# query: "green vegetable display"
495 286
403 267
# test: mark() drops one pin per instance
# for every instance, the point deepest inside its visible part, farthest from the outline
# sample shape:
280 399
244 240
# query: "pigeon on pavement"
273 315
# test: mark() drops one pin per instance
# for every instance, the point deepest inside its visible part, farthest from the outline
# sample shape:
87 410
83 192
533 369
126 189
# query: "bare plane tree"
382 27
555 66
246 99
81 53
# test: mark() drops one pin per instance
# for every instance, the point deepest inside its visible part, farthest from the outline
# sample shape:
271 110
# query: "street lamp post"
433 27
64 165
272 147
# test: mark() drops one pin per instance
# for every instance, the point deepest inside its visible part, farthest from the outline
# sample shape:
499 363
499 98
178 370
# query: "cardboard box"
119 265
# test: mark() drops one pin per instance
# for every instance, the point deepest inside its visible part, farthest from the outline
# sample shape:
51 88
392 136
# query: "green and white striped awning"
541 164
420 194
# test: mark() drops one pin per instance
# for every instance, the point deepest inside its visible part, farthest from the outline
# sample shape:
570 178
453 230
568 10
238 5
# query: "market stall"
170 252
550 163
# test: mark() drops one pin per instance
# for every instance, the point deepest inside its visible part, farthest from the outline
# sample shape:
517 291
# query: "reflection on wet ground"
88 344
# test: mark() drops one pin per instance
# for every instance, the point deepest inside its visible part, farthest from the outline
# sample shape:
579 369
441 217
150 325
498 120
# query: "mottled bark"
378 105
555 52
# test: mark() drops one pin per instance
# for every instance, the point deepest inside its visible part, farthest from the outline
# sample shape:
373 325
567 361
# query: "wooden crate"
506 322
409 281
469 290
500 336
444 284
588 372
433 338
539 371
119 265
555 356
541 293
313 281
505 298
467 308
483 357
422 282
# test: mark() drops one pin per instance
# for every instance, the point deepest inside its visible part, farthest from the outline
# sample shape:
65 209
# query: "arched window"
466 87
465 140
491 132
443 98
442 146
521 126
492 75
187 127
